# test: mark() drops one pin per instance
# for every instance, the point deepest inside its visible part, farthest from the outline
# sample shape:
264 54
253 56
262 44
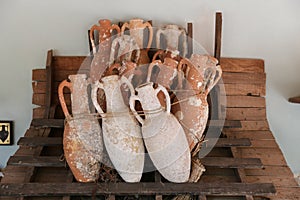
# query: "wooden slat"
270 170
246 114
242 65
47 123
252 135
60 189
268 156
36 161
220 162
231 162
39 75
252 126
71 62
226 142
244 78
54 141
218 35
245 89
245 102
190 39
49 84
40 141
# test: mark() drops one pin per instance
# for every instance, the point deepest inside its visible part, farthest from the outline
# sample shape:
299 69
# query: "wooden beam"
219 162
49 83
218 35
40 141
190 39
294 99
88 189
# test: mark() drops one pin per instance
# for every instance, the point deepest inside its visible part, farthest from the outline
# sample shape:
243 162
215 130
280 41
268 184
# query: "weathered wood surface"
59 189
54 141
219 162
242 65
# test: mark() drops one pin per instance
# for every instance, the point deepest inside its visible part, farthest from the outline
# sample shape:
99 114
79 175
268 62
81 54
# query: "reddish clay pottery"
121 132
196 78
167 72
101 57
173 34
82 141
163 136
122 49
136 30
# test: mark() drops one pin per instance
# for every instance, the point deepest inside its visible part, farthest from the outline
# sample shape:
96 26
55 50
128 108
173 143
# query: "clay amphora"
82 141
172 34
123 48
163 135
136 30
192 109
101 57
121 132
165 77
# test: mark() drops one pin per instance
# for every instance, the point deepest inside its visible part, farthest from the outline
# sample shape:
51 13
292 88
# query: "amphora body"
121 132
82 141
163 135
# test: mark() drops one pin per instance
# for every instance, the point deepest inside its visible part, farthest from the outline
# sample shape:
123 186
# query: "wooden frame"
6 132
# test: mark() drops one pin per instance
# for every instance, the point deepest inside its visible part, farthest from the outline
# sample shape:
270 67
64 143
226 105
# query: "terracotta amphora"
101 56
121 132
195 80
173 34
136 30
165 77
163 136
82 140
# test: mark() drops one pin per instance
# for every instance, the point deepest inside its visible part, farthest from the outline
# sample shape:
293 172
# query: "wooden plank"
277 181
245 102
59 123
246 114
268 156
224 162
220 162
244 90
252 126
226 142
190 39
244 78
49 84
218 36
87 189
39 99
40 141
287 193
36 161
48 123
270 170
242 65
252 135
39 75
71 62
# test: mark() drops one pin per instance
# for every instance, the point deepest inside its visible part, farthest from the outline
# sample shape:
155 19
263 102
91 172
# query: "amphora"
82 140
163 136
121 132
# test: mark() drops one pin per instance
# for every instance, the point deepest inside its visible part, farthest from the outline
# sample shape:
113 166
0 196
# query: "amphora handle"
63 104
97 85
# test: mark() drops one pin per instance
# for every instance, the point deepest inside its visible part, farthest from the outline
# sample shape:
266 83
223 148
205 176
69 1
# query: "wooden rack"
246 163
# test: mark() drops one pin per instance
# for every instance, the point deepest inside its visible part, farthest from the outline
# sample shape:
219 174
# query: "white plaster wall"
252 28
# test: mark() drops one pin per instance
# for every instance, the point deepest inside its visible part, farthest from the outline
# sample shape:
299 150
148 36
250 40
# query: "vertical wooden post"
190 39
218 36
49 84
90 44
